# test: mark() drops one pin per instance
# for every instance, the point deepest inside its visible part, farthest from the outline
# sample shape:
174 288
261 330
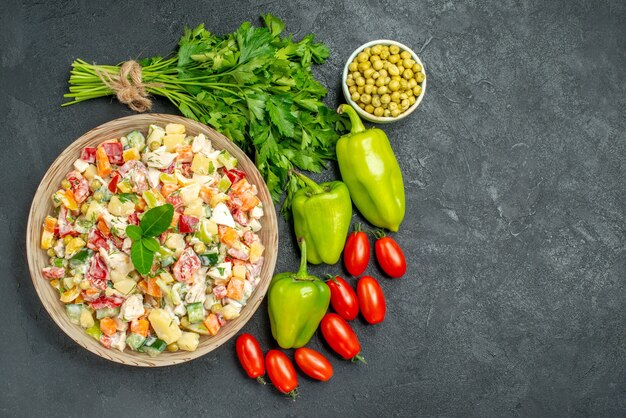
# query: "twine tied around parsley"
128 86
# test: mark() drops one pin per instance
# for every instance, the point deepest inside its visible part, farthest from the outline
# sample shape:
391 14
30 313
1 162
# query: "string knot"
128 86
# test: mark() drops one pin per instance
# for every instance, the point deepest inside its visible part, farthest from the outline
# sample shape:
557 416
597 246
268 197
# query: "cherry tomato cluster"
368 299
280 369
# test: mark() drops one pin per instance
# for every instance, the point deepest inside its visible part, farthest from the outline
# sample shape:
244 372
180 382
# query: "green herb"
209 259
153 223
127 197
253 85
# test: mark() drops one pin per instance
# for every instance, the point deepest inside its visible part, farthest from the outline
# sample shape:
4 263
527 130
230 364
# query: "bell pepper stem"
260 380
302 271
316 188
355 120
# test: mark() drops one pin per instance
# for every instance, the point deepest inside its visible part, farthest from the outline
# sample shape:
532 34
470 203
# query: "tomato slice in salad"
98 272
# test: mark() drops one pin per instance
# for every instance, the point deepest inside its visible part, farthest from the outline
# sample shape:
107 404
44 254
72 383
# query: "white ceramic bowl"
363 113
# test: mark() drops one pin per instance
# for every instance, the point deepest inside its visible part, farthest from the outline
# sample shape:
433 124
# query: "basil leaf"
150 243
134 232
141 257
157 220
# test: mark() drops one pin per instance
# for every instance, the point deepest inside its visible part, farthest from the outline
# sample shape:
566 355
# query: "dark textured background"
514 303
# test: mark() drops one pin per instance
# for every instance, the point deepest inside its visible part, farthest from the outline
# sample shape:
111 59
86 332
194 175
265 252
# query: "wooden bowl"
38 259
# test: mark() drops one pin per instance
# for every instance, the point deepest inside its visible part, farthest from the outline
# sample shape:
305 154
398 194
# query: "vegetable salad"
204 266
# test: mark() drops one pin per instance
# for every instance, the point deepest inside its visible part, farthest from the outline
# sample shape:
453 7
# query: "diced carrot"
108 326
185 154
235 288
241 186
168 188
140 206
144 286
102 162
103 227
49 224
212 324
140 326
91 293
153 288
79 299
248 200
69 201
206 193
228 236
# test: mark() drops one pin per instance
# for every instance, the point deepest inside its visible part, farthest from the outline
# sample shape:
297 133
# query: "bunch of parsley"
253 85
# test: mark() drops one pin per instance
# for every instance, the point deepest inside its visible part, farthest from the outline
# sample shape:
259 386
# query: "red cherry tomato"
356 253
390 256
281 372
371 300
341 337
343 299
251 357
313 364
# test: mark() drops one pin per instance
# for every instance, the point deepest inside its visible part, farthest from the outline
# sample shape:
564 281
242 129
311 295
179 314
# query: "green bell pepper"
371 171
297 303
321 216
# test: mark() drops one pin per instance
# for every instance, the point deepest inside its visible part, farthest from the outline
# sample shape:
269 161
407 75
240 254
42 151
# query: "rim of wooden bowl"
42 206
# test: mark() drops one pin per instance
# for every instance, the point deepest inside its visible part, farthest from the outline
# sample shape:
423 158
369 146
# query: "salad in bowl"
154 240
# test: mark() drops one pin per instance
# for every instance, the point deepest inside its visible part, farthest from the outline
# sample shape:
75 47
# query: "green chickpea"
395 113
393 58
419 77
377 49
403 84
382 90
395 96
394 49
360 81
353 66
364 66
352 89
83 208
355 96
360 89
369 108
387 113
394 85
384 54
405 55
66 184
154 145
409 92
387 80
374 90
383 73
408 63
396 77
374 58
378 65
400 69
366 98
416 68
350 82
368 73
199 248
368 51
50 252
173 347
376 100
417 90
375 75
408 74
361 105
405 103
412 83
393 70
370 81
385 98
412 100
379 111
393 106
368 88
363 56
403 96
356 75
380 81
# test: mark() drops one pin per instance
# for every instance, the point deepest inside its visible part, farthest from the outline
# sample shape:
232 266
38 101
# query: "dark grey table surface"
514 303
